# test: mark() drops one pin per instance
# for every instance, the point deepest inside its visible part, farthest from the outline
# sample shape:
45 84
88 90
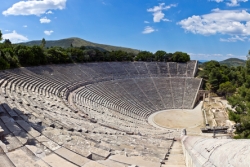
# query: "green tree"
181 57
160 55
57 55
7 42
39 55
43 43
226 89
4 64
144 56
1 36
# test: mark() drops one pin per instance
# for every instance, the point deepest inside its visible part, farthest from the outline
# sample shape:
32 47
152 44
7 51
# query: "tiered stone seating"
191 68
182 69
178 87
172 68
152 68
90 114
118 69
190 92
130 68
141 68
165 91
163 68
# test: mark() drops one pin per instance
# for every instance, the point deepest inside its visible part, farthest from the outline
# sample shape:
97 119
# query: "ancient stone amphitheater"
96 114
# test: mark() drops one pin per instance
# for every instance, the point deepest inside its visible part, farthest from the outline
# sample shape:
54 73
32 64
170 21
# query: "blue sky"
205 29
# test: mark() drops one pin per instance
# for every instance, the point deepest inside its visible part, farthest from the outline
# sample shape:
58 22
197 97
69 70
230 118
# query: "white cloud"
157 11
49 12
234 39
215 56
235 2
45 20
218 1
165 19
14 37
48 32
25 26
34 7
148 30
146 22
228 22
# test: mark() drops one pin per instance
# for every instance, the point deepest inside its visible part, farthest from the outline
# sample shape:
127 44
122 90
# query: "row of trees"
15 55
240 101
221 79
234 84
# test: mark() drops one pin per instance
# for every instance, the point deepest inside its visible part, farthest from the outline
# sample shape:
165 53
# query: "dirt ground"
191 120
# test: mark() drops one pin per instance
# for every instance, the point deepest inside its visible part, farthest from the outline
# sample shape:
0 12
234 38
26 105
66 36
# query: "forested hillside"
234 84
233 62
77 42
17 55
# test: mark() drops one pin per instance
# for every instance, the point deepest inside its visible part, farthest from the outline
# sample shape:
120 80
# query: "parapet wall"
209 152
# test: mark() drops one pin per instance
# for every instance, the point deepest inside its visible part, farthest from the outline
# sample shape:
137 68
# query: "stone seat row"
52 140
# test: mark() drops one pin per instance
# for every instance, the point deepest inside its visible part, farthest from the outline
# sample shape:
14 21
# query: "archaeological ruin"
105 115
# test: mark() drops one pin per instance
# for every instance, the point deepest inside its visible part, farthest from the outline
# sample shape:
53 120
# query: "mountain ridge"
78 42
233 62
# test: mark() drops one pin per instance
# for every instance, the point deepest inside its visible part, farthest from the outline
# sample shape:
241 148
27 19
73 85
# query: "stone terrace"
92 114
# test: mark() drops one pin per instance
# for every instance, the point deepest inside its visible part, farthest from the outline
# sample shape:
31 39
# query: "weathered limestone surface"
20 159
133 161
28 128
4 161
93 164
81 114
72 157
56 161
48 143
207 152
110 163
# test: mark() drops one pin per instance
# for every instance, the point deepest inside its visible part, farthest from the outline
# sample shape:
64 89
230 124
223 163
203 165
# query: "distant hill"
202 61
233 62
77 42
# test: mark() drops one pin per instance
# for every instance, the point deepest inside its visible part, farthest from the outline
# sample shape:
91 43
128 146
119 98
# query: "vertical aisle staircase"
176 156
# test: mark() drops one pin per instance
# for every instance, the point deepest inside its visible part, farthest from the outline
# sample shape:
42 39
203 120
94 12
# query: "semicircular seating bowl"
93 110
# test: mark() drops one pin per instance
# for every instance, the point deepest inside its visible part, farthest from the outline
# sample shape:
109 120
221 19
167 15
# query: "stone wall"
209 152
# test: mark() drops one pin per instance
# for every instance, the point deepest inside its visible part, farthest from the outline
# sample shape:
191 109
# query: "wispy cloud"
235 2
34 7
48 32
234 39
45 20
14 37
148 30
214 56
49 12
218 1
230 3
158 15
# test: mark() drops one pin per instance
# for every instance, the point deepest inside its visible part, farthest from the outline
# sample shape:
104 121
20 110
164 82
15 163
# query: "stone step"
93 164
173 165
56 161
175 162
5 161
138 160
20 158
110 163
71 156
176 157
176 151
